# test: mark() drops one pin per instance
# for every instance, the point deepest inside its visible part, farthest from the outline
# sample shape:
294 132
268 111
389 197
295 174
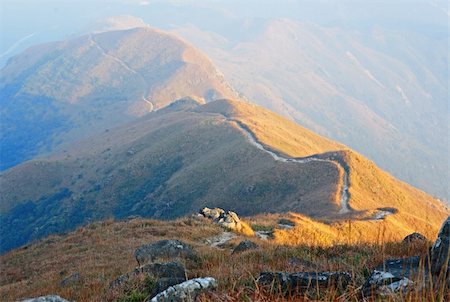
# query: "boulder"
186 291
395 275
163 249
165 274
303 281
384 283
415 238
440 258
245 245
211 213
50 298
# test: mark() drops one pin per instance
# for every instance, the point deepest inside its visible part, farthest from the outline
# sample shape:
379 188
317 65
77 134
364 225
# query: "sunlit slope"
383 92
371 188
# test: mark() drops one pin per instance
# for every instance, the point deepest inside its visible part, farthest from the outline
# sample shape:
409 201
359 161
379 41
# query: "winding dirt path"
345 196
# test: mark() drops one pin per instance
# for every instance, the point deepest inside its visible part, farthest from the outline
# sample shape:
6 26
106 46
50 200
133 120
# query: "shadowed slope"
58 92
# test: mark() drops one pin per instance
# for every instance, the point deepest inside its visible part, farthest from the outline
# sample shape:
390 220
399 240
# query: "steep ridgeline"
226 154
58 92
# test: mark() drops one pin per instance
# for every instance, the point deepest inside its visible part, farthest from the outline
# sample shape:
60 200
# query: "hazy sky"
27 22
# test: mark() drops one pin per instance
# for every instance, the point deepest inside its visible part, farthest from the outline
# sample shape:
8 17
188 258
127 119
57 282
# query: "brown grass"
102 251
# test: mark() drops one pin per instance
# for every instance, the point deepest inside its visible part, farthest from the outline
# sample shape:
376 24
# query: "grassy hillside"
174 162
104 250
371 188
165 165
58 92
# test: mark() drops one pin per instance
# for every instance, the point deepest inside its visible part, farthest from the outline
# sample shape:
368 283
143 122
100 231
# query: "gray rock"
212 213
229 220
303 281
395 275
166 274
186 291
415 238
285 223
72 279
385 283
245 245
440 260
50 298
163 249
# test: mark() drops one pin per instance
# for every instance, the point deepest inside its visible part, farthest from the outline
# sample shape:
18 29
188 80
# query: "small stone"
186 291
415 238
50 298
245 245
163 249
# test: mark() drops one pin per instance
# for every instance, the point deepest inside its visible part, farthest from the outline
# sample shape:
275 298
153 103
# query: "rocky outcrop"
50 298
186 291
229 220
440 258
245 245
415 238
163 249
393 276
303 281
164 274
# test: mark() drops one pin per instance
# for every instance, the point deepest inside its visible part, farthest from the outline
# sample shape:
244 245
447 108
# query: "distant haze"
388 98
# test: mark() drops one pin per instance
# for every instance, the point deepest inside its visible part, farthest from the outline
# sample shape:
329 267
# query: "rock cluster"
167 280
186 291
229 219
163 249
393 276
303 281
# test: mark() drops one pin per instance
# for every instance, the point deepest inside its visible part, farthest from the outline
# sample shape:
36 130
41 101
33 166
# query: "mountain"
380 89
225 153
55 93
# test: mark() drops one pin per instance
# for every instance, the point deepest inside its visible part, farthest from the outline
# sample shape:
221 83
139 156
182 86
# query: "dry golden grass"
101 251
370 187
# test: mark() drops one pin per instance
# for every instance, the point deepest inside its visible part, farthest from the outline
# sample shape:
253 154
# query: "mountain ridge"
70 89
171 163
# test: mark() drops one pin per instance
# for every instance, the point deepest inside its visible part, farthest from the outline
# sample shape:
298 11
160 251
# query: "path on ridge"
345 196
